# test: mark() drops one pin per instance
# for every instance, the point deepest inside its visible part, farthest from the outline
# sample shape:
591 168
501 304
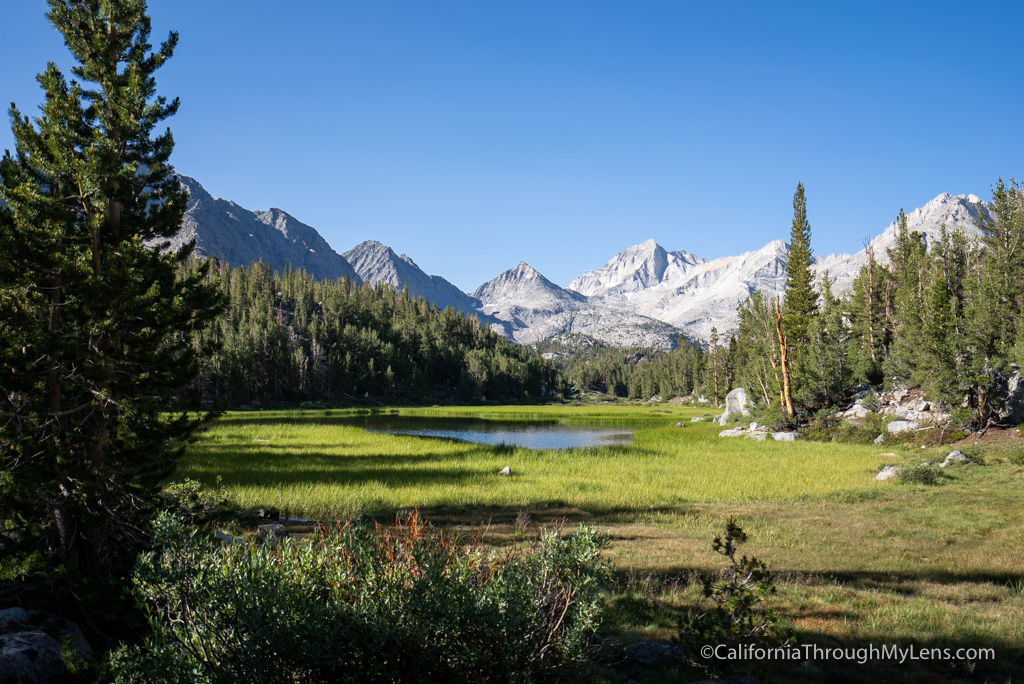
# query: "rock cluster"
759 432
911 408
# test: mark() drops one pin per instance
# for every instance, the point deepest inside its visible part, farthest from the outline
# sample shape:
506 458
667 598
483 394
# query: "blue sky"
472 135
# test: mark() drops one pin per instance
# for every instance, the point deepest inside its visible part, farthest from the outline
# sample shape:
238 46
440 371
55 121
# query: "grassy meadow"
857 561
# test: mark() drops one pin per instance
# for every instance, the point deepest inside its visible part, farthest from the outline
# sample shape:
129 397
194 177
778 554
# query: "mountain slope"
239 236
378 263
533 309
693 294
953 211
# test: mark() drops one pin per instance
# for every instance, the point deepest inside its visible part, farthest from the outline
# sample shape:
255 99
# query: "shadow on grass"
288 468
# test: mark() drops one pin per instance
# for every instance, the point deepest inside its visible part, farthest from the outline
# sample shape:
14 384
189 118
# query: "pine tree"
800 300
95 323
827 350
909 271
866 310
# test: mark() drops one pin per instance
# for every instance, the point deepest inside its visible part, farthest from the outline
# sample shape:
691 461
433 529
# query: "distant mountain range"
645 295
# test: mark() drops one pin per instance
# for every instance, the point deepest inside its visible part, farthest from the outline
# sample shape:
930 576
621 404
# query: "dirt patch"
1008 436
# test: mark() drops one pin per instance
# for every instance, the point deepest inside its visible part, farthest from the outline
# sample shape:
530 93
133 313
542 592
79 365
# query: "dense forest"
943 317
588 366
285 337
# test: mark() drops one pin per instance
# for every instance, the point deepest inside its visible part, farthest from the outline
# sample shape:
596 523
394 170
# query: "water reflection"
531 434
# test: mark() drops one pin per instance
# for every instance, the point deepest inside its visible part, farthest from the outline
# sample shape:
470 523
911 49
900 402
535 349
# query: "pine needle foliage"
95 321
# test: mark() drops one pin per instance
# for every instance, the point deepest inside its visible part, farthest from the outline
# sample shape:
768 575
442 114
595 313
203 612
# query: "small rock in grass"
784 436
272 532
652 653
879 439
738 432
954 458
887 472
507 470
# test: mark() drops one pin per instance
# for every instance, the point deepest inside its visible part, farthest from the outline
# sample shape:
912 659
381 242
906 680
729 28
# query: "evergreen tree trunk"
787 392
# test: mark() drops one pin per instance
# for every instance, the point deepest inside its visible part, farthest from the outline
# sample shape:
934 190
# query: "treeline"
285 337
639 373
944 317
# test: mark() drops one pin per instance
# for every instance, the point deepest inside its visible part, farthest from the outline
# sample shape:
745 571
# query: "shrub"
922 474
737 595
826 418
772 417
361 604
194 502
872 402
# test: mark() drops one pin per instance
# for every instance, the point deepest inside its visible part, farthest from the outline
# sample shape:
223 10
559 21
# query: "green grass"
301 463
858 561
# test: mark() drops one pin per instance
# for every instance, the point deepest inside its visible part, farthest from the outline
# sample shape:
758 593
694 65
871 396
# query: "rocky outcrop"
887 472
760 433
1012 410
910 407
897 426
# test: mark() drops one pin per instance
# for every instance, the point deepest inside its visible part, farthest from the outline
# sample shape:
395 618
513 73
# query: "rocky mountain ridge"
644 296
696 294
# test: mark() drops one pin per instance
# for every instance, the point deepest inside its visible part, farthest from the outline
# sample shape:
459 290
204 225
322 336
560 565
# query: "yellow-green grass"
304 464
858 561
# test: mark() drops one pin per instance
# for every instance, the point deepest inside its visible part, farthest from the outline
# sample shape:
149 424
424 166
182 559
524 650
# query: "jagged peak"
524 269
368 245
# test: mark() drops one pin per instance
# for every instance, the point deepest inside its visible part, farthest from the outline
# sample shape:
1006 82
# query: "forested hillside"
945 318
290 338
640 373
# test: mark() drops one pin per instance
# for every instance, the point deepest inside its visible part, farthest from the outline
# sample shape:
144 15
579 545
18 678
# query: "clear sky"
474 134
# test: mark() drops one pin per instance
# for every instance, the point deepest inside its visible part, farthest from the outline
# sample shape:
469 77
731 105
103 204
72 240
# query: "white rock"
507 470
784 436
738 432
887 472
955 458
902 426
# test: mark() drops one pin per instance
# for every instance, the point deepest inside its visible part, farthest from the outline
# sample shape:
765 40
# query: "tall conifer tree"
95 323
801 301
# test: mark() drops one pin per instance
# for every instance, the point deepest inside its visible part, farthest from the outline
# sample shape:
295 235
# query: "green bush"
194 502
363 603
772 416
922 474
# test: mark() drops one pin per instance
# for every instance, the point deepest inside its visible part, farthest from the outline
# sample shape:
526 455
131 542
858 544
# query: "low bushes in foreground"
362 603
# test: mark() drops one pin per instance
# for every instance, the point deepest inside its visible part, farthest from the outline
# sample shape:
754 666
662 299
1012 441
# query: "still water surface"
531 434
